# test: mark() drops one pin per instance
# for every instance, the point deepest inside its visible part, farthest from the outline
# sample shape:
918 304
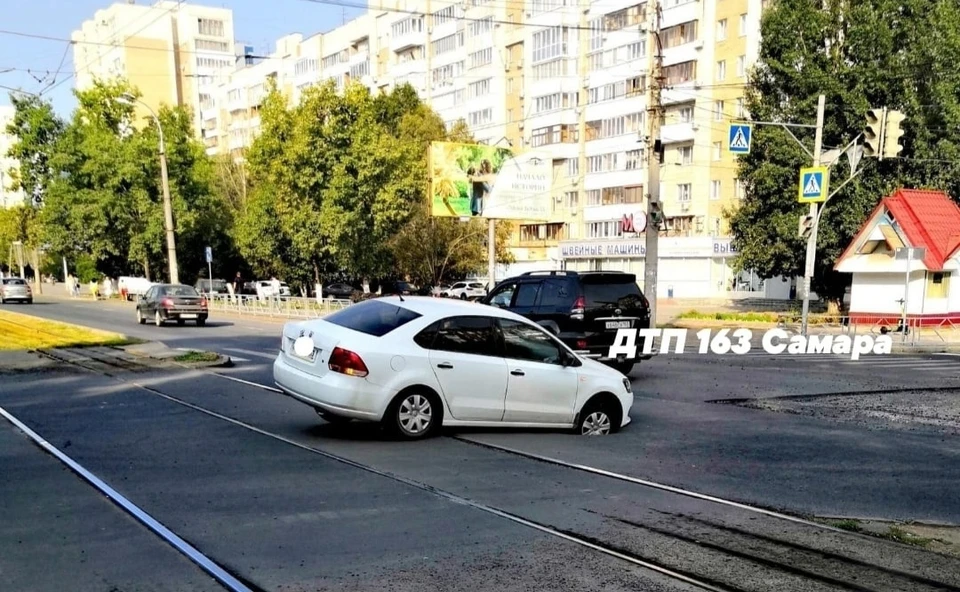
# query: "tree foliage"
37 130
340 183
899 54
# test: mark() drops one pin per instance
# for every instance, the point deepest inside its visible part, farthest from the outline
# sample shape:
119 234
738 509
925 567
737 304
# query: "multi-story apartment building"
174 53
8 166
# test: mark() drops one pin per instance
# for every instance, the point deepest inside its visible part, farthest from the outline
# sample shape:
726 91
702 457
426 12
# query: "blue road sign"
741 134
813 184
209 253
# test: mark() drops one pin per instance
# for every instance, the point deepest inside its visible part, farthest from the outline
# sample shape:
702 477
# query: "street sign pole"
906 294
812 241
209 254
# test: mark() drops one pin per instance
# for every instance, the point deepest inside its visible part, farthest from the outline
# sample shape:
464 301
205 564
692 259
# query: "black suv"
584 309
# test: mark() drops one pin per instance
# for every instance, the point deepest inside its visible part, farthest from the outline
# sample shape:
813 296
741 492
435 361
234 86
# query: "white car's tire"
414 414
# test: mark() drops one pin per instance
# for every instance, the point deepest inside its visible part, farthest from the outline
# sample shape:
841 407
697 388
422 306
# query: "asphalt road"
255 496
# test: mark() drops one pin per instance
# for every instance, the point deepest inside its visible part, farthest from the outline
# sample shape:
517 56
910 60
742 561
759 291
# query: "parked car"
339 291
416 363
216 286
14 289
172 302
397 287
584 309
266 289
133 287
465 290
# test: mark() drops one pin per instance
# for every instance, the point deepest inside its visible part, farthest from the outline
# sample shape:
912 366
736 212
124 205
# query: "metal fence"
284 306
932 331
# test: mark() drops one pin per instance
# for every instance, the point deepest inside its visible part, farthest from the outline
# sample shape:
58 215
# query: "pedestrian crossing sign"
740 137
813 184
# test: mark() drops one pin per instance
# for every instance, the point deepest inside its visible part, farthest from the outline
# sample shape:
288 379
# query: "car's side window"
555 294
526 342
503 296
426 337
527 294
457 286
150 294
467 335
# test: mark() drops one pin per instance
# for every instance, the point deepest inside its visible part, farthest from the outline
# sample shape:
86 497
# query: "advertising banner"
473 180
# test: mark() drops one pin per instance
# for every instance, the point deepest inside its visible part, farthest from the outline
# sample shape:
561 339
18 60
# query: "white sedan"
416 363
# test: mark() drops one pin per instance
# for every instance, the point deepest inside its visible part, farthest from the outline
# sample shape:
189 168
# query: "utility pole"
654 161
582 97
812 239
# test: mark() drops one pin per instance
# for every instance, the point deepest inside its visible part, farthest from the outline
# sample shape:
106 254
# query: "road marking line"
236 359
165 533
251 353
248 383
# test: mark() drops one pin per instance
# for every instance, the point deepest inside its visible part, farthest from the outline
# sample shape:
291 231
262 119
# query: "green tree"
105 198
873 53
37 130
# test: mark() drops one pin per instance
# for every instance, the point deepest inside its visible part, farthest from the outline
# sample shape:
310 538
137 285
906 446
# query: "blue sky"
256 22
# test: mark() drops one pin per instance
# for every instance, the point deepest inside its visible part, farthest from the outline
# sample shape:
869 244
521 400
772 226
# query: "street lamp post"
129 99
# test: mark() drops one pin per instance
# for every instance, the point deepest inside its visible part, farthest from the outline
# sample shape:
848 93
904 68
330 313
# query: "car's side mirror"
567 360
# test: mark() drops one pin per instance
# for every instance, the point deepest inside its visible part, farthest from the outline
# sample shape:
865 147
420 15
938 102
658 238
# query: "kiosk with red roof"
909 218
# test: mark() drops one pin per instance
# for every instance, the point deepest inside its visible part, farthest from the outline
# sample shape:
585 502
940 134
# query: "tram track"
792 565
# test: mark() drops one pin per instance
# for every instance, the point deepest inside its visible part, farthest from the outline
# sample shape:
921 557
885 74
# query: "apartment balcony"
407 68
612 212
683 12
359 58
236 143
624 178
678 132
680 93
688 52
408 41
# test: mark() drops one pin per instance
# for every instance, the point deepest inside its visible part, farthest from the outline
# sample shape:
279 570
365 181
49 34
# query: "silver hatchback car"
14 289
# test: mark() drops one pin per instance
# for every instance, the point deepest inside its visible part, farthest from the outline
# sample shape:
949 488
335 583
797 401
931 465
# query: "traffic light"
806 225
873 133
655 216
892 134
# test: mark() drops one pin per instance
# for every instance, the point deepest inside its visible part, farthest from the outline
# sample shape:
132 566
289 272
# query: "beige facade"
8 166
173 53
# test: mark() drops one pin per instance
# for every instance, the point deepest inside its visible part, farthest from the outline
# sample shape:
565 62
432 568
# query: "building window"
593 197
209 45
633 194
549 44
595 164
680 73
739 189
445 15
540 232
686 155
938 284
684 191
448 44
717 150
414 24
714 189
741 111
686 115
481 27
721 29
718 110
743 25
742 66
555 134
210 27
607 229
479 88
721 69
573 167
634 160
571 198
480 58
482 117
679 34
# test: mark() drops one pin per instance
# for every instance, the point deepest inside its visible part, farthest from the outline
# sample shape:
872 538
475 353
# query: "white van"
134 286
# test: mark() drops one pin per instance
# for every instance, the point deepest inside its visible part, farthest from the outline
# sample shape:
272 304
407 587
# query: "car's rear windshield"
611 290
179 291
373 317
14 281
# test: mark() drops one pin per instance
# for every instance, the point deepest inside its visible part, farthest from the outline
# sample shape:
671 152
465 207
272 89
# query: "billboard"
473 180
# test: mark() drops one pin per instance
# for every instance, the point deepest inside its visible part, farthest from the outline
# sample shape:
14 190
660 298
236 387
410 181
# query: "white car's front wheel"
598 418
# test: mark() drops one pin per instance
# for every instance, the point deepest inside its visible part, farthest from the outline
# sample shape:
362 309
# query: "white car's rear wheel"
415 415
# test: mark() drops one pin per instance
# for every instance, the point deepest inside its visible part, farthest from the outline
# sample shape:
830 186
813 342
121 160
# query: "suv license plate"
188 316
619 324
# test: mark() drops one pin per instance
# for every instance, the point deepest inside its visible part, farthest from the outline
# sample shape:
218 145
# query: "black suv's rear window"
373 317
612 290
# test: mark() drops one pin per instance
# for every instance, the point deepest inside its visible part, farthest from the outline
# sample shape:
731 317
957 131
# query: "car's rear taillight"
347 362
167 303
576 311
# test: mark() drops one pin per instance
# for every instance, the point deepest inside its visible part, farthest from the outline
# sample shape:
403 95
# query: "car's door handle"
445 365
518 373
